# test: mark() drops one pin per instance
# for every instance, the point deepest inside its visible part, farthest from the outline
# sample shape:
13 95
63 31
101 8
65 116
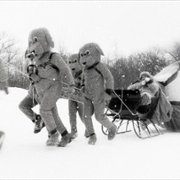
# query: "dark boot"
39 124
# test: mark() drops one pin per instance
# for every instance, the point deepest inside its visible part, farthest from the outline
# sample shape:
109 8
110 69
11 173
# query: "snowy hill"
24 155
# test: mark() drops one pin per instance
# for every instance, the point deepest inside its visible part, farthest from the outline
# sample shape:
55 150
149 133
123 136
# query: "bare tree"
175 51
127 69
12 62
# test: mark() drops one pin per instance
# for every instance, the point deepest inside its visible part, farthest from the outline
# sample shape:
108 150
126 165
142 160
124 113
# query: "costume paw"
92 140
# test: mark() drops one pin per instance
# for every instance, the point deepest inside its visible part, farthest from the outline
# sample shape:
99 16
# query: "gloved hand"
34 77
107 99
32 69
108 96
109 92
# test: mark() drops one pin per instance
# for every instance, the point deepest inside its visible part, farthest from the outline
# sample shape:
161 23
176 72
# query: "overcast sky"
119 27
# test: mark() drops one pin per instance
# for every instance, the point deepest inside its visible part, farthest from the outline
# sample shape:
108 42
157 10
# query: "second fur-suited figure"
75 106
98 87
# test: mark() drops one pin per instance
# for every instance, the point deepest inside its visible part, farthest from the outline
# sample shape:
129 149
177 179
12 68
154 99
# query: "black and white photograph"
89 89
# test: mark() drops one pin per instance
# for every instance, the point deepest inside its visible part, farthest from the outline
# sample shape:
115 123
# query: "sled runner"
2 135
122 110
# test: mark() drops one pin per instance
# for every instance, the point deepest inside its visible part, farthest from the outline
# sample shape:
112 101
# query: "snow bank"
25 156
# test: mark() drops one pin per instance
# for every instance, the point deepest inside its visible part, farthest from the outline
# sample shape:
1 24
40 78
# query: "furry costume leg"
72 105
49 113
88 111
48 102
81 115
102 118
48 119
75 107
59 125
81 111
66 137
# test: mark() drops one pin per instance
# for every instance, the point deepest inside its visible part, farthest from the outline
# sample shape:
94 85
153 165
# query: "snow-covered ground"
24 155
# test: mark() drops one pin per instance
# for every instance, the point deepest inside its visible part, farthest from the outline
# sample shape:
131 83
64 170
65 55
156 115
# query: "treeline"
13 62
125 70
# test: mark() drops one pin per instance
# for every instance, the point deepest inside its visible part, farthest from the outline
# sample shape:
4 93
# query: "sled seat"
125 102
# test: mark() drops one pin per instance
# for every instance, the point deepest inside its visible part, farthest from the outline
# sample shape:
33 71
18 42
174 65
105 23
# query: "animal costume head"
90 54
40 42
74 64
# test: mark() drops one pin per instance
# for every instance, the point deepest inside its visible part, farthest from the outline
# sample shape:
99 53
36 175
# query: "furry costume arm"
64 70
109 80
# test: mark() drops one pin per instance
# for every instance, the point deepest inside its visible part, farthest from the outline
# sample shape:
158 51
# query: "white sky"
119 27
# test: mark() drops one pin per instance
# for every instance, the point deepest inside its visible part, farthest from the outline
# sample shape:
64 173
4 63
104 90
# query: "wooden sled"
122 110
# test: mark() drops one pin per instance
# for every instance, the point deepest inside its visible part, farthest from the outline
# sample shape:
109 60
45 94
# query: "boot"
65 140
112 132
74 133
39 124
92 139
53 139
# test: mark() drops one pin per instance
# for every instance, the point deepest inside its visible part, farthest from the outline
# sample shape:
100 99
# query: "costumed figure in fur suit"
48 74
98 87
75 106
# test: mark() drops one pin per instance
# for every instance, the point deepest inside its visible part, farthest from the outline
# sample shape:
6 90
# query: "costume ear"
99 49
48 38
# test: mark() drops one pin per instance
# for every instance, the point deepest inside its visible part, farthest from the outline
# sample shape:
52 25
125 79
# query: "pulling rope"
66 85
124 104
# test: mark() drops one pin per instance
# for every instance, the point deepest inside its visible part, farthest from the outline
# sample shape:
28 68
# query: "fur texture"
98 79
75 106
47 81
